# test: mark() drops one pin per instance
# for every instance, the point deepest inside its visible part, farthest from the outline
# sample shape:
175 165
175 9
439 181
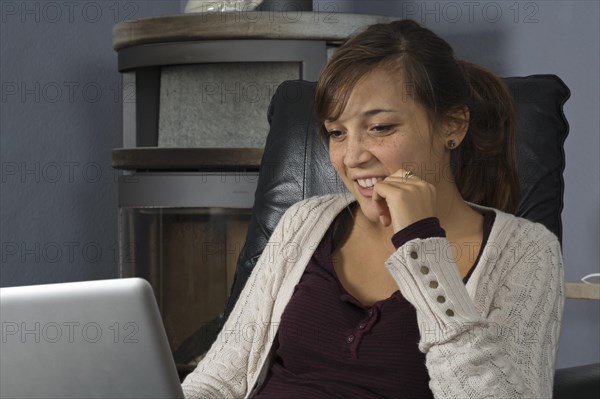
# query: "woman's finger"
381 206
402 200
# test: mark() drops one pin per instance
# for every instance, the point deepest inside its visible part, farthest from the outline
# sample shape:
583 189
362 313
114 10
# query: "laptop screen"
93 339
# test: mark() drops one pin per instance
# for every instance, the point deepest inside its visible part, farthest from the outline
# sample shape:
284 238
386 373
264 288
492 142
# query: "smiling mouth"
368 183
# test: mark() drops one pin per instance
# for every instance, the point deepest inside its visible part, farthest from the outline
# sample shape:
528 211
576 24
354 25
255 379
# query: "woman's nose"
357 151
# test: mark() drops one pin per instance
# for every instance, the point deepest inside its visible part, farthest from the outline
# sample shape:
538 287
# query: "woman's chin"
369 211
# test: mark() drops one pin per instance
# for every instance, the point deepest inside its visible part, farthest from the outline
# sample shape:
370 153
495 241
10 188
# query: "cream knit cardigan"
495 337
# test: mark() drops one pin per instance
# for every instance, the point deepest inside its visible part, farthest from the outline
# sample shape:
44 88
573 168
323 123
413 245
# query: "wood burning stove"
183 216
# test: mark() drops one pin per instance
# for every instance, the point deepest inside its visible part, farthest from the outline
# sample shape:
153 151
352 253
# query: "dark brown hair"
484 165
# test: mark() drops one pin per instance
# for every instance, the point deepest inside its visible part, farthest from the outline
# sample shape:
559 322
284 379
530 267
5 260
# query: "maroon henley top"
329 345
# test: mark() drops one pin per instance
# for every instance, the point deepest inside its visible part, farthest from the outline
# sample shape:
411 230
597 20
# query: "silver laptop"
93 339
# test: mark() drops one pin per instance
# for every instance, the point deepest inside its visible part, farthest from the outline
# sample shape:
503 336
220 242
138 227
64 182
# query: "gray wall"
61 117
59 121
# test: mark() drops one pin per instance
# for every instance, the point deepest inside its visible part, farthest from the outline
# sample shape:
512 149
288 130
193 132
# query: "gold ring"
408 174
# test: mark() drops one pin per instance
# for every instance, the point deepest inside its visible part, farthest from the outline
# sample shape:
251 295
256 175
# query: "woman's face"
383 130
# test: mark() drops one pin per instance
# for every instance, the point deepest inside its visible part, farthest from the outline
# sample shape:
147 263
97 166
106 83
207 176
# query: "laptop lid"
92 339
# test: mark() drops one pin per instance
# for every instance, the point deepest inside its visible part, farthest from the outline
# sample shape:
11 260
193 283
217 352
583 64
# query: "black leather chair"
296 166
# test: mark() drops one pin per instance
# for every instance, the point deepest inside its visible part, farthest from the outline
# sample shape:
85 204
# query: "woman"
420 283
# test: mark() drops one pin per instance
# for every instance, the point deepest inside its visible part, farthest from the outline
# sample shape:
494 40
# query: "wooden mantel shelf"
164 158
304 25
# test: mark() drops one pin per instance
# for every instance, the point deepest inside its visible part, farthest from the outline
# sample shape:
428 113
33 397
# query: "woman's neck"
455 215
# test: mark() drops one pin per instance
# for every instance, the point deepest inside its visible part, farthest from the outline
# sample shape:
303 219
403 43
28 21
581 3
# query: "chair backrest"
296 165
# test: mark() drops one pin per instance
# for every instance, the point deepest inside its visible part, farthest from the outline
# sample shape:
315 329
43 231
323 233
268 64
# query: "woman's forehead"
378 92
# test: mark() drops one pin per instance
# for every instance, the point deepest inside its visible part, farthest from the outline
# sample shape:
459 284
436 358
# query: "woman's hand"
403 198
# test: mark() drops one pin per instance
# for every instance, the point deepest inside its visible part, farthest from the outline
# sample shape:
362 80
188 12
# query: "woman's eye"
334 134
382 129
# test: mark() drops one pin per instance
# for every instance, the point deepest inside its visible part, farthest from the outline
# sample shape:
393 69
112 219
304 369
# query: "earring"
451 144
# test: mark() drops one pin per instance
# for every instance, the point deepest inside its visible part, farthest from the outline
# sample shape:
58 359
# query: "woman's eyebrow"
370 112
376 111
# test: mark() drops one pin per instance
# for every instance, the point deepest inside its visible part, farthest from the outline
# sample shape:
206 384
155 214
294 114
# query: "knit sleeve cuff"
428 278
424 228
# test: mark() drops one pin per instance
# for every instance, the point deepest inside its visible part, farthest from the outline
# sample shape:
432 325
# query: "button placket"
367 323
354 338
